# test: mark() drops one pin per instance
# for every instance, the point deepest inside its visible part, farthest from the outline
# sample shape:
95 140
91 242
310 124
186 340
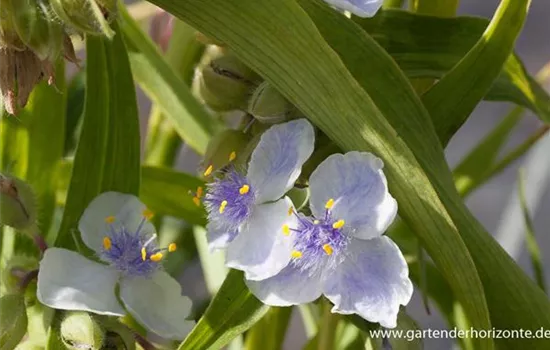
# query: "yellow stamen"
232 156
328 249
148 214
199 192
110 219
329 204
222 207
290 211
156 257
143 254
316 222
197 201
107 243
208 170
172 247
338 224
244 189
286 230
296 254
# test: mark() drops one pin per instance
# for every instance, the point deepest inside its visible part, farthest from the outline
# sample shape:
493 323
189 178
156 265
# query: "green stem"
327 332
388 4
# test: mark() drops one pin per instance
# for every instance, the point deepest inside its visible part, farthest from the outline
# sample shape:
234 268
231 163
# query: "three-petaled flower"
361 8
116 226
243 210
339 251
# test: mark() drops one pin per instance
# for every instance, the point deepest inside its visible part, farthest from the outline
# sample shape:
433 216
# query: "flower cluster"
116 226
338 251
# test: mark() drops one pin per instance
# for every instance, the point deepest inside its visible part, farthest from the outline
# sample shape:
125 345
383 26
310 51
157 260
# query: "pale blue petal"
156 302
68 281
361 8
358 186
261 249
218 238
372 281
277 160
291 286
127 210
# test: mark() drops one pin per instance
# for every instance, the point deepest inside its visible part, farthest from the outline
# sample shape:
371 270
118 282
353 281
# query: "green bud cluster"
17 204
35 33
80 330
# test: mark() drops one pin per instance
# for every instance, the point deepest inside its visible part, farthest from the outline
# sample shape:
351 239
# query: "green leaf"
166 89
13 320
107 156
44 117
232 311
167 192
212 263
427 46
269 332
321 86
453 98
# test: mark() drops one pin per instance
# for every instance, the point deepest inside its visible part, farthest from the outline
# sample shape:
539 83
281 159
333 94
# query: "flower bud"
268 105
8 36
225 83
17 203
223 148
87 16
79 330
299 197
13 320
37 28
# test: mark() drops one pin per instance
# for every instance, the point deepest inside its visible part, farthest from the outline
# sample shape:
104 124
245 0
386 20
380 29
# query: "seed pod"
79 330
224 148
87 16
268 105
17 203
225 83
37 28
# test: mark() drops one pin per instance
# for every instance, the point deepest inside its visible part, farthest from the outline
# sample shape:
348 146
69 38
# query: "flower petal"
218 238
372 281
261 249
277 160
68 281
361 8
358 186
127 210
291 286
157 303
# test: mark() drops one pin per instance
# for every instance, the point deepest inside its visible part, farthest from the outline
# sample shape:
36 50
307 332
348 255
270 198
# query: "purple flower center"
318 243
229 200
131 253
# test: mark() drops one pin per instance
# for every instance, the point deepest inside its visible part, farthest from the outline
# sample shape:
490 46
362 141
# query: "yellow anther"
199 192
110 219
244 189
172 247
338 224
208 170
143 254
296 254
232 156
316 222
329 204
197 201
290 211
107 243
148 214
156 257
286 230
222 207
328 249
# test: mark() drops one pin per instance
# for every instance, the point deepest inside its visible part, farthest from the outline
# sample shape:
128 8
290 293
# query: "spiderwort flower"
243 210
339 251
116 226
361 8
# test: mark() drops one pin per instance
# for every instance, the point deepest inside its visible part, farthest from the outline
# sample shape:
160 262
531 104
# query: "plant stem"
327 333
